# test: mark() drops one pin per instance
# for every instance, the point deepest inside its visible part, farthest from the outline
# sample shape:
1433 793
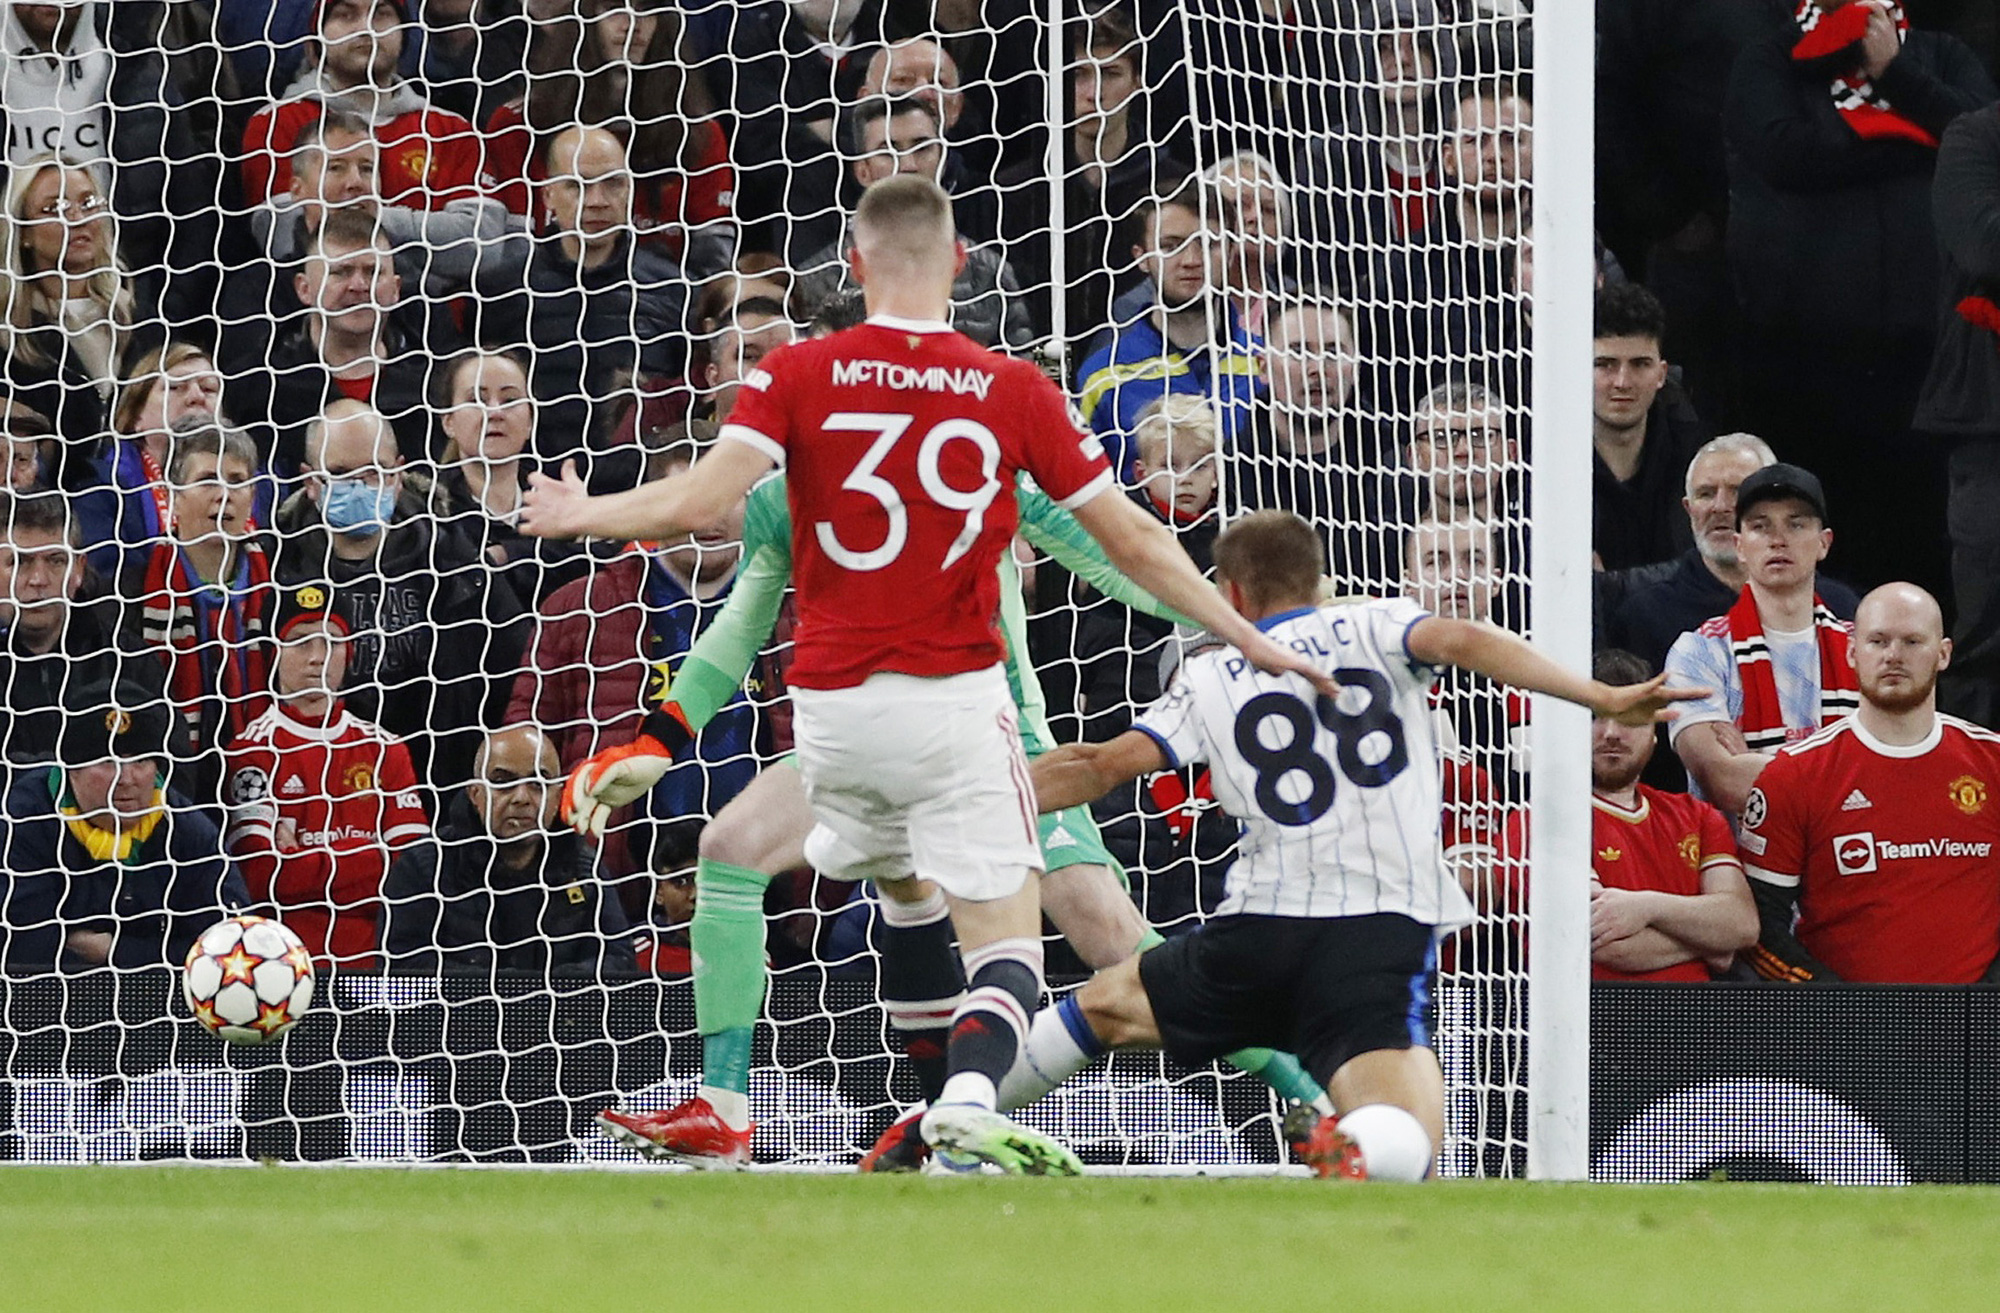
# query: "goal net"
299 295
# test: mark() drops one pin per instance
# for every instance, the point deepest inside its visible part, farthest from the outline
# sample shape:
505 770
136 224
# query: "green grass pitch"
223 1239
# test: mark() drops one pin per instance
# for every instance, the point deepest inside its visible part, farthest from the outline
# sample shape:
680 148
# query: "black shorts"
1325 989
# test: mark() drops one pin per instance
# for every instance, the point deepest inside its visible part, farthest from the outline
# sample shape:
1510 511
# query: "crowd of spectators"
298 294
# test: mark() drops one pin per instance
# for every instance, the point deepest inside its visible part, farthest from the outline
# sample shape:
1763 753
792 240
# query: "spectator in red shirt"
1668 900
430 156
319 800
621 66
1870 845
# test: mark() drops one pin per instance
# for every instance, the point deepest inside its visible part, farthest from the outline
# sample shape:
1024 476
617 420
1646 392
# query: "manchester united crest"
118 721
1691 851
1968 794
360 777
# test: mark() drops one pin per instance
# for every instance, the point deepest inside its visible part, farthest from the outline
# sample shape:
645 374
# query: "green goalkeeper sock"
1281 1071
728 942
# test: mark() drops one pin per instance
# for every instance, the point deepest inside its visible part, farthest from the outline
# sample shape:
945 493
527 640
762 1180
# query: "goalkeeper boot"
900 1149
1330 1153
689 1132
966 1130
1296 1130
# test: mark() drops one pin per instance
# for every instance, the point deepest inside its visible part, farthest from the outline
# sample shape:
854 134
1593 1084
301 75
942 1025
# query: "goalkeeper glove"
616 777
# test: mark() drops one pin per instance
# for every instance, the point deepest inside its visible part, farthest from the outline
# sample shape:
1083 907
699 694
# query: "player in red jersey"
319 800
1882 828
902 440
1668 900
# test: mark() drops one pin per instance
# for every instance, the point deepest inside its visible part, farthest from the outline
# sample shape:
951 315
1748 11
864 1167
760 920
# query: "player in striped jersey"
1326 939
762 832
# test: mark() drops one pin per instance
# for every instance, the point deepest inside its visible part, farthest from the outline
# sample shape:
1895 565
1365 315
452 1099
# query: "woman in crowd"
173 387
68 315
488 416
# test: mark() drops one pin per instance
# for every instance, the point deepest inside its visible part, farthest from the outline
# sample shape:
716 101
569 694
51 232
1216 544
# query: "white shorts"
913 776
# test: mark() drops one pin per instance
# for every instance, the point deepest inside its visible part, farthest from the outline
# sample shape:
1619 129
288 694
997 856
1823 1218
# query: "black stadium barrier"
1841 1084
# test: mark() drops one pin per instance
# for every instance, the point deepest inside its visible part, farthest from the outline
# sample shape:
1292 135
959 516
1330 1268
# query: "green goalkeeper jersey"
714 669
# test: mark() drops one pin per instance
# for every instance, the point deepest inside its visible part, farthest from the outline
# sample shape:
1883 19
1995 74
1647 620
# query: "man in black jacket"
56 640
1643 433
349 341
437 631
1833 126
1961 404
504 886
594 310
103 866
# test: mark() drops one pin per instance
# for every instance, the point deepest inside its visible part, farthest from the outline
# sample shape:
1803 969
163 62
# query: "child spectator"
319 800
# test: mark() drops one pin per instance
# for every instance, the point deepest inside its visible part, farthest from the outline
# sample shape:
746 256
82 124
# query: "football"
248 979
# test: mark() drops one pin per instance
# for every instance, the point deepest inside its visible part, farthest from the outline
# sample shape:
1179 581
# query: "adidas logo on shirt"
1856 801
293 787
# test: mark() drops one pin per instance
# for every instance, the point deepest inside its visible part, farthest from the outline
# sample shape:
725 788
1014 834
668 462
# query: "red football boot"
690 1132
1330 1153
900 1148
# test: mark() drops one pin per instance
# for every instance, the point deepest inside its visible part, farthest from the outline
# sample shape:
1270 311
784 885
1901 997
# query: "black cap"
304 602
1774 482
126 722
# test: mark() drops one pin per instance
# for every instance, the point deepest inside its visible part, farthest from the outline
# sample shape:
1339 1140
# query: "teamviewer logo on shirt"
1854 854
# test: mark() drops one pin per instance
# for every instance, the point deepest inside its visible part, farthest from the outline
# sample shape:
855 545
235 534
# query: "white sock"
969 1087
1394 1146
732 1107
1049 1056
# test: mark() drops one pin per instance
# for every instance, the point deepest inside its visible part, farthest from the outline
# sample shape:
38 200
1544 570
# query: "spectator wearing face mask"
436 634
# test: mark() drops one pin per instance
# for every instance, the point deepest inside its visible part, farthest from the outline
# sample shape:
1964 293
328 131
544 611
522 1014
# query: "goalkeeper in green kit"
762 832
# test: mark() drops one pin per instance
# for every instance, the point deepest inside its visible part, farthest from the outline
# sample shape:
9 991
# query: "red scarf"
217 660
1763 718
1830 32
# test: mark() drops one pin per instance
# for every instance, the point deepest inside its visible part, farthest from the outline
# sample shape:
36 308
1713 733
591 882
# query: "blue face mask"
354 507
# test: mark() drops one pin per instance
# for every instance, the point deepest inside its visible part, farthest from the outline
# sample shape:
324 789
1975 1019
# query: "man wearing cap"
320 801
430 157
103 865
1777 659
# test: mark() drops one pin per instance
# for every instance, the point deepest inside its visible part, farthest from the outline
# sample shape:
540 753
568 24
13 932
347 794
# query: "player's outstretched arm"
1077 773
563 507
1054 531
1492 651
1147 552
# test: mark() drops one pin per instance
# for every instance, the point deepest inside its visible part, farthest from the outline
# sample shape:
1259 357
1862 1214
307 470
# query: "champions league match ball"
248 979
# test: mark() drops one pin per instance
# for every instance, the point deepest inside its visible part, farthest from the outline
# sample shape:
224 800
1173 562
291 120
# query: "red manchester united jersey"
901 441
428 157
1666 844
1891 849
316 812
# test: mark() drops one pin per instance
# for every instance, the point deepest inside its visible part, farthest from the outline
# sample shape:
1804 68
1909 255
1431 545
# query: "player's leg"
1000 940
759 834
1363 1003
922 984
1199 996
1088 900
